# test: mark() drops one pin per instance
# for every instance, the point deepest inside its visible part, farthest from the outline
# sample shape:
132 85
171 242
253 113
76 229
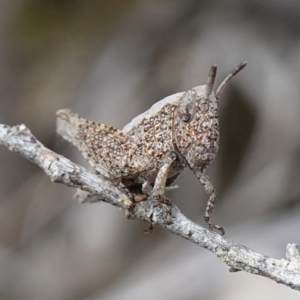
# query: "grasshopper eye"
187 106
186 117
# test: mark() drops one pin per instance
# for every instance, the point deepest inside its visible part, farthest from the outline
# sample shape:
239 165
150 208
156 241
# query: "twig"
237 257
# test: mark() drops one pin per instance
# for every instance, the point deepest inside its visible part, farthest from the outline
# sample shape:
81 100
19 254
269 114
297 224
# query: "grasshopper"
180 131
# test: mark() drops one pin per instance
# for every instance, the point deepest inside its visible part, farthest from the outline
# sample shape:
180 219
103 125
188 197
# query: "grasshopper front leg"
210 190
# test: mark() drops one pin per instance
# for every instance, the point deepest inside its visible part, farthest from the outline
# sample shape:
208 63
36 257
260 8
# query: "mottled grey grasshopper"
152 150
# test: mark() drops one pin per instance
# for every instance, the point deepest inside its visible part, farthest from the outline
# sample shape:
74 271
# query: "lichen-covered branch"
237 257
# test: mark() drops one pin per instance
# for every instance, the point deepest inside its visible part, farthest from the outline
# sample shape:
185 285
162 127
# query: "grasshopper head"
196 123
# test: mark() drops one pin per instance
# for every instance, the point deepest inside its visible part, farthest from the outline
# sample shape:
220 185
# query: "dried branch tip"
228 78
210 81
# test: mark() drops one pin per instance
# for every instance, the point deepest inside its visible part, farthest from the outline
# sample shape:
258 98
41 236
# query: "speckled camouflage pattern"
179 131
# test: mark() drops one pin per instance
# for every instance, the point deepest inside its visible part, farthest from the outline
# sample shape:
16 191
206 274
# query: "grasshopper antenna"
208 89
229 77
210 81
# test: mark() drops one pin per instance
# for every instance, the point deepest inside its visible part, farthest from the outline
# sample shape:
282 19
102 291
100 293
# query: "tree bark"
237 257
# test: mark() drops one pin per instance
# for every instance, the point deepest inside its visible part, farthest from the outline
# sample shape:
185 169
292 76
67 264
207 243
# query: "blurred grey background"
110 60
